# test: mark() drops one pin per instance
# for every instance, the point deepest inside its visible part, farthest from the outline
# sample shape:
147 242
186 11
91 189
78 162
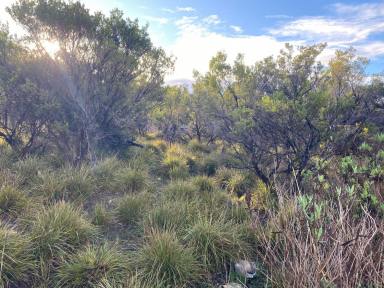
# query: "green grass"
131 208
216 242
12 201
60 229
164 262
180 190
93 267
129 180
17 263
100 215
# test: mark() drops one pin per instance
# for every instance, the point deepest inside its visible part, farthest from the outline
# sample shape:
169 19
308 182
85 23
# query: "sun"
51 47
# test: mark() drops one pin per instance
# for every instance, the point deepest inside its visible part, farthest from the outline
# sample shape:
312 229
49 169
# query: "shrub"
100 215
128 180
60 229
209 165
233 181
12 201
216 242
92 267
17 264
164 262
131 208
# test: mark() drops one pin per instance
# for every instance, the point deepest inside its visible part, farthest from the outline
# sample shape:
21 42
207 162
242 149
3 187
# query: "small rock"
232 285
245 268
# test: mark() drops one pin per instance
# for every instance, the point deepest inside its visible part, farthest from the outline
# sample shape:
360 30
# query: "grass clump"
104 173
17 264
175 216
164 262
100 216
60 229
180 190
129 180
216 242
204 184
12 201
65 185
92 267
131 209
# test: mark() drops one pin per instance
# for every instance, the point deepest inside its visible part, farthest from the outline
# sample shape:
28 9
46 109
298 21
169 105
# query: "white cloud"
186 9
212 20
167 10
159 20
364 10
237 29
196 44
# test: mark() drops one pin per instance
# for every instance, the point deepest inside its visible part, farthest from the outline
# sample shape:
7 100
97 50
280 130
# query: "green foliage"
164 262
92 267
17 263
12 201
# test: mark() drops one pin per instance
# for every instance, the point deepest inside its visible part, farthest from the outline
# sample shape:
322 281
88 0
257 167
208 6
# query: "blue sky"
193 31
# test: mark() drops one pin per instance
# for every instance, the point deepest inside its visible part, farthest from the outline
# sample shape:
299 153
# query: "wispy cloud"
237 29
348 25
277 16
159 20
186 9
168 10
212 20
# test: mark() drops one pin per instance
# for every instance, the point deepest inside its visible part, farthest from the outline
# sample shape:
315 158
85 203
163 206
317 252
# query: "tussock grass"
93 267
164 262
131 208
67 184
180 190
104 173
101 216
17 263
12 201
58 230
216 242
129 180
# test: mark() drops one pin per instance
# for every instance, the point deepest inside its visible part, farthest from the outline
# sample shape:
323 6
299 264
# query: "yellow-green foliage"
180 190
260 195
175 162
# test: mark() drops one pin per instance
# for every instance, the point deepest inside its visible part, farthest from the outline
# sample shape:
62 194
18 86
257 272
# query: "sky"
194 31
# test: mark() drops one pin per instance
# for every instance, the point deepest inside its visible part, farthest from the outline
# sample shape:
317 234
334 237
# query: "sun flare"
51 47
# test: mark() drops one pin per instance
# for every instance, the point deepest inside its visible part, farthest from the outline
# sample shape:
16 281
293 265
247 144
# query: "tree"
107 73
25 107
